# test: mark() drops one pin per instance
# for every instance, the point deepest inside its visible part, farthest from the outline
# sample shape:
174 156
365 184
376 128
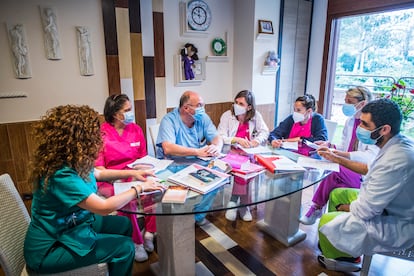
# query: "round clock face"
219 46
198 15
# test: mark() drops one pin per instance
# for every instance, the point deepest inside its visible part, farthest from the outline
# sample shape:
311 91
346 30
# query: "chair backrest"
407 254
331 127
14 221
153 129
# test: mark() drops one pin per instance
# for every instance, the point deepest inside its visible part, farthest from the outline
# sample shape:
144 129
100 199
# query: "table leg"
281 219
175 246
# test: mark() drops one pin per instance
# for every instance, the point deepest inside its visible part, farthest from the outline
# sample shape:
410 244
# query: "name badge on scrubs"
136 144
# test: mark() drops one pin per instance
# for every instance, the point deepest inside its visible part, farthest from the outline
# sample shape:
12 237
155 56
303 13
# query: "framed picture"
183 75
265 27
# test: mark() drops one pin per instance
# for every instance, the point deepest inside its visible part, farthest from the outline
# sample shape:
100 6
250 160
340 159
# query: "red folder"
278 163
266 161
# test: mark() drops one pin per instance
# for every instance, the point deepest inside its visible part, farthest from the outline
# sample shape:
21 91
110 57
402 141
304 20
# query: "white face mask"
239 110
298 117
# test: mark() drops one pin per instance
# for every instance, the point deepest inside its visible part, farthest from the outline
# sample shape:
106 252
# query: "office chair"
14 221
407 254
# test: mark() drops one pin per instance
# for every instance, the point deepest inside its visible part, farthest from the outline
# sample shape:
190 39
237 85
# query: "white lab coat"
365 153
229 124
381 219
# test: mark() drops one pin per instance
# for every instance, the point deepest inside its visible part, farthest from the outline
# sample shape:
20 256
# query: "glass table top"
264 187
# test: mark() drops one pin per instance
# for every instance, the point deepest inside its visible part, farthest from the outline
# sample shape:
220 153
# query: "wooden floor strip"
250 261
213 264
225 257
214 232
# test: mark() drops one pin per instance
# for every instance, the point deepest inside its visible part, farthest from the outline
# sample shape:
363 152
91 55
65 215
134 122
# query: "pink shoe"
313 213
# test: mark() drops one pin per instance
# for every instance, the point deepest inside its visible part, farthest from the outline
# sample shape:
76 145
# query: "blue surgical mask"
349 109
239 110
128 117
298 117
199 112
364 136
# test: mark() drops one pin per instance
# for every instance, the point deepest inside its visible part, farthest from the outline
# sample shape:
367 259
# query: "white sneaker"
232 213
140 253
336 265
310 217
245 214
149 241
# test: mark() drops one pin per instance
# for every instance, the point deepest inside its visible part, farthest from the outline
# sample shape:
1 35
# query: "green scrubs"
337 196
62 236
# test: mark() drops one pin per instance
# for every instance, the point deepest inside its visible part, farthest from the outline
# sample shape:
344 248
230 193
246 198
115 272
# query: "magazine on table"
150 163
120 187
278 163
199 178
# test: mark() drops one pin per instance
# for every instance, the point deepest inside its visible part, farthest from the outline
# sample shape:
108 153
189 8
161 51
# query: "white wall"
59 82
264 85
316 47
53 82
217 87
243 46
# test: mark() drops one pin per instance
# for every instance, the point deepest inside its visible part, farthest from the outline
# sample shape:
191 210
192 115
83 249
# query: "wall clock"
198 15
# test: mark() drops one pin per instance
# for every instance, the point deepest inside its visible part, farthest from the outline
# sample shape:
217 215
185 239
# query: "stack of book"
175 194
278 163
241 166
199 178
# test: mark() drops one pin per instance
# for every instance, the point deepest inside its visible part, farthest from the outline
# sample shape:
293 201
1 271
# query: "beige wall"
53 82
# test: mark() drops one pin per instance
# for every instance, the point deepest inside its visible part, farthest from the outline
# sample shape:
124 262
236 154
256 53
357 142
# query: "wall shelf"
217 58
199 72
261 36
270 70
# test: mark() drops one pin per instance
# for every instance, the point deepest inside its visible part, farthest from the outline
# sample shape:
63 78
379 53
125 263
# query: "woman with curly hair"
69 226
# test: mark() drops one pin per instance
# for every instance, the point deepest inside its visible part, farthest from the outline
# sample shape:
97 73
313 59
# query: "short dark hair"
384 112
249 97
113 104
308 101
185 97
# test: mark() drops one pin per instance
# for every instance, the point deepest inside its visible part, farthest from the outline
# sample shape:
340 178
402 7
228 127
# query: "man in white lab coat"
380 218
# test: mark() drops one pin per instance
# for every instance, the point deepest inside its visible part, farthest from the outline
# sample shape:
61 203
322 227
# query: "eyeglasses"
197 106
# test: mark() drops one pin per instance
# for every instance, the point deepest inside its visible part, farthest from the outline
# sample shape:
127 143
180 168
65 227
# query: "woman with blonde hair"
355 157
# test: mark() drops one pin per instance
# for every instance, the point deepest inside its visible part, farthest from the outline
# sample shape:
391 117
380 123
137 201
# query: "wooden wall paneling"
114 80
109 24
134 8
121 3
150 87
19 148
140 111
31 144
111 46
137 66
159 57
5 152
214 110
124 45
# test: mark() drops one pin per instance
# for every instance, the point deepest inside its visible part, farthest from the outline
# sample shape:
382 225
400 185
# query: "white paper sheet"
318 164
